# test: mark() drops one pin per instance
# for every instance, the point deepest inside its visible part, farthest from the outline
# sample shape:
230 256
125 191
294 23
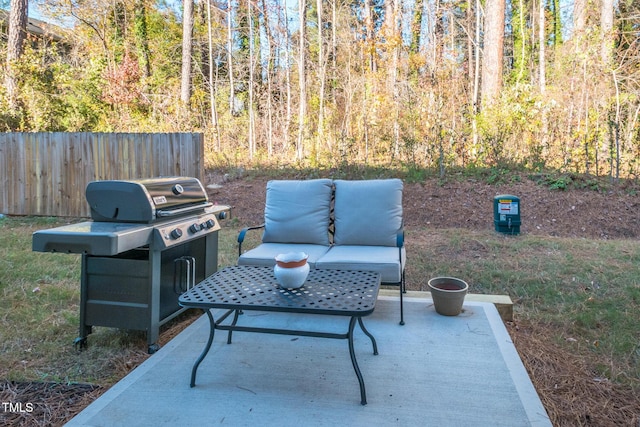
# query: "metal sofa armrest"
400 239
243 234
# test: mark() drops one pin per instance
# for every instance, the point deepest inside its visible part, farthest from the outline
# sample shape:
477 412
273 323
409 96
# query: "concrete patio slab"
434 371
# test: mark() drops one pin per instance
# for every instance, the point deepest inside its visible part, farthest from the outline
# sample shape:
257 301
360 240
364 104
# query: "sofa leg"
401 305
403 290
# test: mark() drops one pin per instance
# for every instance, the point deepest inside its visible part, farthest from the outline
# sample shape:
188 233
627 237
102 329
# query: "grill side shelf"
95 238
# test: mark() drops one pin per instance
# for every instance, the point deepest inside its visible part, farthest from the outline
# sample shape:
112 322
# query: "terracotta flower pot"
448 295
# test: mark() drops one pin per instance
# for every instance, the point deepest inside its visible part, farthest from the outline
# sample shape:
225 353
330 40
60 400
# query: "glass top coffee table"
351 294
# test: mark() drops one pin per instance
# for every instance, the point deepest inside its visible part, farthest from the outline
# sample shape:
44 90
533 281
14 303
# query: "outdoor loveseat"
340 224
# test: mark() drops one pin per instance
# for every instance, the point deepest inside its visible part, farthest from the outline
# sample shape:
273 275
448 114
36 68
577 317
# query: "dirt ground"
469 204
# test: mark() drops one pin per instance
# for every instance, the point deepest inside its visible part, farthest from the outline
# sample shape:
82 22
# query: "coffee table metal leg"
373 340
354 362
235 320
212 326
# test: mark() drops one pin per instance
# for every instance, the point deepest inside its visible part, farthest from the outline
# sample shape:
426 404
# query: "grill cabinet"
149 241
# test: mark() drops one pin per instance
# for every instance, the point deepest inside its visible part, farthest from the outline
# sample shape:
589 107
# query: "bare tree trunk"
334 45
416 26
322 67
365 114
493 50
523 40
142 37
476 76
187 36
232 94
584 109
579 26
616 128
302 83
269 75
542 41
437 34
370 42
542 83
18 17
579 17
287 58
252 142
393 35
606 27
476 71
469 30
212 94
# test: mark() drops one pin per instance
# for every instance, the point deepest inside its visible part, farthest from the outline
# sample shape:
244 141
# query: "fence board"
46 173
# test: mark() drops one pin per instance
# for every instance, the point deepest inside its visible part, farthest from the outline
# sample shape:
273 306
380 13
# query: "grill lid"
145 200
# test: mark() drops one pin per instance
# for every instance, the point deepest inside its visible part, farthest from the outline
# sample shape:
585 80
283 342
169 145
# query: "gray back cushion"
298 211
368 212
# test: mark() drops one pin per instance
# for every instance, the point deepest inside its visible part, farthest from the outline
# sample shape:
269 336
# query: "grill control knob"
194 228
177 189
209 223
176 233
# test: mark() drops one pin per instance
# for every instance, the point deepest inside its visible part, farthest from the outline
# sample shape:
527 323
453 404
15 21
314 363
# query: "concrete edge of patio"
503 303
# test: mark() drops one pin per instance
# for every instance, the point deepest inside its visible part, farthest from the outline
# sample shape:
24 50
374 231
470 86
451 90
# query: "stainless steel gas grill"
148 242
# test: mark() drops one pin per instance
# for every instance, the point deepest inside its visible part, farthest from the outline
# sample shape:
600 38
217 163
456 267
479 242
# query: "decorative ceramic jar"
448 294
291 269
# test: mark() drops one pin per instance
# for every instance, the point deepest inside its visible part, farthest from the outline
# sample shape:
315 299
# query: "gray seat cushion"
382 259
368 212
266 253
298 211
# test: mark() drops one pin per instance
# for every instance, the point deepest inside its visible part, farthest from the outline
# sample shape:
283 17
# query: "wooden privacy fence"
47 173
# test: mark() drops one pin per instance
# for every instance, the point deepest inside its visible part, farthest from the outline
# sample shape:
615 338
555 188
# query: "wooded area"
417 83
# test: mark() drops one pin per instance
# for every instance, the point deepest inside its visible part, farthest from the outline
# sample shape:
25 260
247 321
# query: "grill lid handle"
164 213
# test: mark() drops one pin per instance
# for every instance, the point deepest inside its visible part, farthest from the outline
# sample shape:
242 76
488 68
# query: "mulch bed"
44 403
570 392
